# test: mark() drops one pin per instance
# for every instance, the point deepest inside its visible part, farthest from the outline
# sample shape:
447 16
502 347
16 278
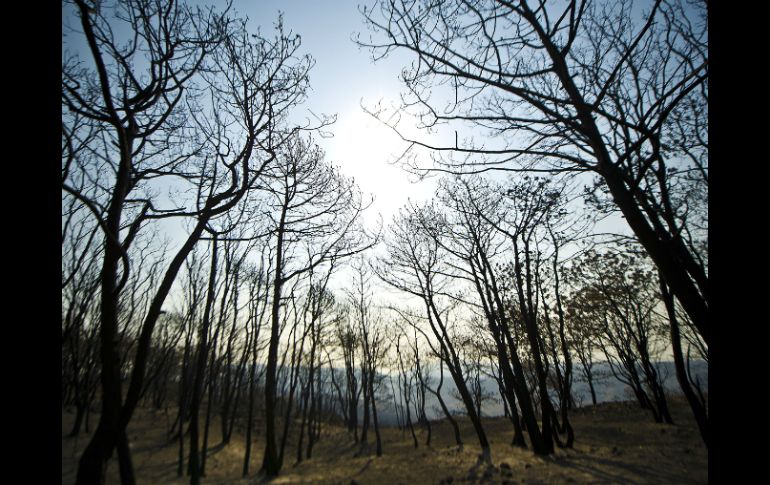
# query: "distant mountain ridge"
607 387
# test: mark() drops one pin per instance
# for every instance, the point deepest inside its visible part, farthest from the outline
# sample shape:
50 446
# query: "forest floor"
614 443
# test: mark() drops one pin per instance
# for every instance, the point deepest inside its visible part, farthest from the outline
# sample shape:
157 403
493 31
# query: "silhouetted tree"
415 264
596 87
258 297
196 462
448 415
503 235
692 392
584 331
194 287
132 88
80 286
406 386
347 339
372 343
317 211
623 297
317 315
421 371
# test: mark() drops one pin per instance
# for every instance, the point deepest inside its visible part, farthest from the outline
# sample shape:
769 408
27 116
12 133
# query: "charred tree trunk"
455 370
696 405
365 391
183 391
125 464
378 450
207 424
270 463
194 467
249 421
437 393
406 391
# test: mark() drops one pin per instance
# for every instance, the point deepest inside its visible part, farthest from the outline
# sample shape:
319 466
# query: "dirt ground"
614 443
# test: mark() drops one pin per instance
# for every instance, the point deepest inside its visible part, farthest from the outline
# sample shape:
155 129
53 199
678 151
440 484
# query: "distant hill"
608 389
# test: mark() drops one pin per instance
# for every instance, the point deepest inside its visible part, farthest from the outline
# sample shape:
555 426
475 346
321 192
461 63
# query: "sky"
344 78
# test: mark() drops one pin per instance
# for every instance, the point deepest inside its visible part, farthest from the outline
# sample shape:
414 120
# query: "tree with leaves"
623 296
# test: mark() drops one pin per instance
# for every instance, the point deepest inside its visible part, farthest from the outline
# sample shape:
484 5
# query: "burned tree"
348 338
315 219
448 415
623 296
258 298
503 237
79 331
584 331
415 263
372 343
600 88
131 85
691 389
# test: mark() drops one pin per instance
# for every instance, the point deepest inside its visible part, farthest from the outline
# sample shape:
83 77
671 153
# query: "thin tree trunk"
270 463
206 426
194 467
437 393
365 390
374 415
249 422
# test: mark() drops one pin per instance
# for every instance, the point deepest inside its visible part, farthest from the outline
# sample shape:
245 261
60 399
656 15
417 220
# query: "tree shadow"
363 468
619 471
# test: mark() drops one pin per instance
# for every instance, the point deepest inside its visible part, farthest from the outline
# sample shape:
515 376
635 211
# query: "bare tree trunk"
374 415
314 425
194 467
270 464
125 464
395 403
183 391
304 399
406 391
366 397
207 424
249 421
455 370
696 405
437 393
590 380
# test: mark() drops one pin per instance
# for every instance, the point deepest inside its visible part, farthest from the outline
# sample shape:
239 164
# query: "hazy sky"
344 77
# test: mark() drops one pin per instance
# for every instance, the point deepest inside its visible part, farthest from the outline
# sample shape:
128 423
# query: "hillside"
615 443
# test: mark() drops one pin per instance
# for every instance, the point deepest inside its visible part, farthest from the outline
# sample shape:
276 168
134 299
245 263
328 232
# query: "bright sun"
363 148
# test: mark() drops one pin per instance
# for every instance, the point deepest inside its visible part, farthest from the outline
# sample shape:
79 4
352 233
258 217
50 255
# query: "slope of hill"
615 443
